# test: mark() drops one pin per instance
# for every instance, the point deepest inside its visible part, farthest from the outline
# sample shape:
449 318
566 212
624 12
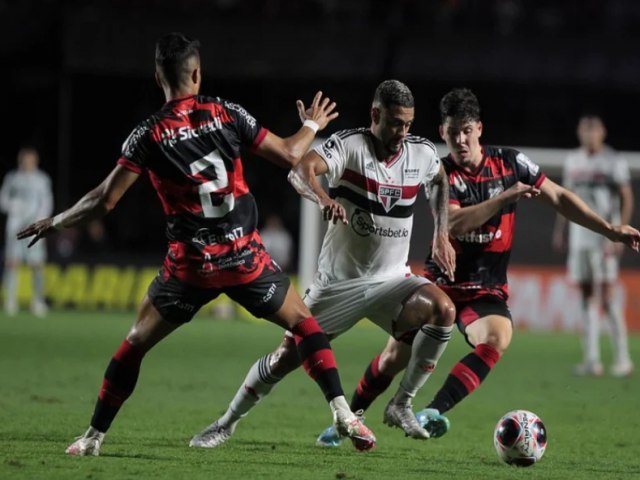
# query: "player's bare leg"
121 376
431 312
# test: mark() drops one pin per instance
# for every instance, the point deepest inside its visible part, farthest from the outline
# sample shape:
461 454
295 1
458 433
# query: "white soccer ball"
520 438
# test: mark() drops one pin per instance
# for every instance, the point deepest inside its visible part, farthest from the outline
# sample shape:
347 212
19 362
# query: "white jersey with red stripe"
379 197
596 179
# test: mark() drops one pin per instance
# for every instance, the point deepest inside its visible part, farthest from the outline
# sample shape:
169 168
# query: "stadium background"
78 76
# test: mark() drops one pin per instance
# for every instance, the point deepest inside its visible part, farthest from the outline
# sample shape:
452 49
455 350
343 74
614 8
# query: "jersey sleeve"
334 154
527 171
135 149
621 174
249 131
433 167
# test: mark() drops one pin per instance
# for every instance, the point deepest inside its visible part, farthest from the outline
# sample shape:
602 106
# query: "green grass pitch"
50 372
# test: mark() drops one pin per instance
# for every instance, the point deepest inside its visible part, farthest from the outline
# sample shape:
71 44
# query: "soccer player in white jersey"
374 175
600 176
25 197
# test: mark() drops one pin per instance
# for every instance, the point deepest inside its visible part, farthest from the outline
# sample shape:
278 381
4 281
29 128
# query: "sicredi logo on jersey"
362 224
171 136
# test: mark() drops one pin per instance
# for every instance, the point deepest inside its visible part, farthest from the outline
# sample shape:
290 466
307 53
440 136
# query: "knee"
444 312
499 340
284 359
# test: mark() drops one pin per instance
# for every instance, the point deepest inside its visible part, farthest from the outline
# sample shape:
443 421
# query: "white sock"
426 349
38 284
591 333
11 286
257 385
618 327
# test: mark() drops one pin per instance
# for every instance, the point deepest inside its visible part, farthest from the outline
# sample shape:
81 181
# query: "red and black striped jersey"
482 255
190 149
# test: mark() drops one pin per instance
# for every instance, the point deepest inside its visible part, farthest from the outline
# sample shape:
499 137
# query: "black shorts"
469 312
178 301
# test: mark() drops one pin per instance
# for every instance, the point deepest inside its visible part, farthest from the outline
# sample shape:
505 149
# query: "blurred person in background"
25 197
600 176
278 241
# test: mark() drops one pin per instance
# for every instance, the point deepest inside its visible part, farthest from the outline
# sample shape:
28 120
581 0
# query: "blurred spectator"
25 197
600 176
278 241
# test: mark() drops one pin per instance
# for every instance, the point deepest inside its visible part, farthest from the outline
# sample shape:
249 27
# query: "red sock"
371 385
317 357
119 382
465 377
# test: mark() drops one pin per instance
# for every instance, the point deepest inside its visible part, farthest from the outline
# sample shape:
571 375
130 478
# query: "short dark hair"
393 92
460 103
173 51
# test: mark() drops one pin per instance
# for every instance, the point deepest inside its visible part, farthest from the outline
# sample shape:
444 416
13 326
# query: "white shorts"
17 251
338 306
592 266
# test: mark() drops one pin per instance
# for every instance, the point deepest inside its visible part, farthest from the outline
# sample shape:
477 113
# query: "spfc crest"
389 196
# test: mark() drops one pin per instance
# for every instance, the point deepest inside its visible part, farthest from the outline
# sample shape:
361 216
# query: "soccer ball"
520 438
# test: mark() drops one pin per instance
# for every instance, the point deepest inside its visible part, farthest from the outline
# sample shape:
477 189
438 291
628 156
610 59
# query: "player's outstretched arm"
286 152
96 203
304 179
463 220
574 209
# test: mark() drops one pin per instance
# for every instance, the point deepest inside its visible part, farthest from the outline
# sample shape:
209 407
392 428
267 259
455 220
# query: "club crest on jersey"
459 183
389 196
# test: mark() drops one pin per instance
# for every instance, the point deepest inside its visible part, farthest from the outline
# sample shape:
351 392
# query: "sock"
591 333
317 357
38 284
465 377
11 282
257 384
426 349
619 341
371 385
119 381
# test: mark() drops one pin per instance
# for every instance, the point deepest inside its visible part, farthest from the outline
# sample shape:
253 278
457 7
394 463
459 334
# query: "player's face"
28 160
591 133
391 126
463 140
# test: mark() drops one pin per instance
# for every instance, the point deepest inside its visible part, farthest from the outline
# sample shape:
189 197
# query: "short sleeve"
621 174
527 171
433 162
250 133
135 149
333 153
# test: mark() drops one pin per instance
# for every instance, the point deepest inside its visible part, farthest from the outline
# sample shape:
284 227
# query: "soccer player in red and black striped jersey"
190 149
485 184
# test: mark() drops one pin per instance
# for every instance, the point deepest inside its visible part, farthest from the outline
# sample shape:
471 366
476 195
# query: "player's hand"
40 229
626 234
321 110
521 190
333 211
444 255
